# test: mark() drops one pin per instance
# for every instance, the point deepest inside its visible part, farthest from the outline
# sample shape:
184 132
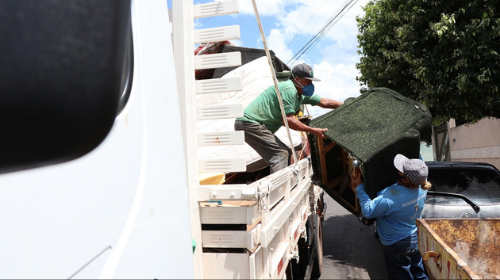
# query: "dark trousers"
266 144
403 259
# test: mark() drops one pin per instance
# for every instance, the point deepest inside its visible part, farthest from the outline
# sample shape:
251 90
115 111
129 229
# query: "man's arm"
377 207
295 124
329 103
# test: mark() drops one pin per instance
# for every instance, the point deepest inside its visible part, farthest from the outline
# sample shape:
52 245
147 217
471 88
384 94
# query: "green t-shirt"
265 109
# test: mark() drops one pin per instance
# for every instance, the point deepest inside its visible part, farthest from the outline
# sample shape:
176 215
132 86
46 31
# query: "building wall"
478 142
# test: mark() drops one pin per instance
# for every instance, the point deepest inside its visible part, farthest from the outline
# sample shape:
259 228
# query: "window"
482 184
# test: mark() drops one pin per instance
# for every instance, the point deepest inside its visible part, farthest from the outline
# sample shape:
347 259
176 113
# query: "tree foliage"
444 54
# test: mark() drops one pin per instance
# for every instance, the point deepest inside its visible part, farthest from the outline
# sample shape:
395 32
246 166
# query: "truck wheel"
318 248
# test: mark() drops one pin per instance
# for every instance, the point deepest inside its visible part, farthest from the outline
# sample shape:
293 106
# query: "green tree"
444 54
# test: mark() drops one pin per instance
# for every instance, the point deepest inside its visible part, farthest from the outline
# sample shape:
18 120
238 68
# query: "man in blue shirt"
396 209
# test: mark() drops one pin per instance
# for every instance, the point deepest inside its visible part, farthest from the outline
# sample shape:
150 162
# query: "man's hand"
295 124
356 181
319 132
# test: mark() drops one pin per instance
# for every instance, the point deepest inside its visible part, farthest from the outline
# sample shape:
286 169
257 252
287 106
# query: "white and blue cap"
415 169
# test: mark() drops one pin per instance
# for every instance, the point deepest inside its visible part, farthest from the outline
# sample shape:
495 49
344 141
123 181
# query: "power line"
324 30
202 22
300 31
319 36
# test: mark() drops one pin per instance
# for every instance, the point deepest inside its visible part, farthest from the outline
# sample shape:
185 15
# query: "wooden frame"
329 184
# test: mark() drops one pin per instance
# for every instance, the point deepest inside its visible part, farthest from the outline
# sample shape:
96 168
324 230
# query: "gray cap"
304 71
415 169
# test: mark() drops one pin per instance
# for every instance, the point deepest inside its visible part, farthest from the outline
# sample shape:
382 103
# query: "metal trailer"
460 248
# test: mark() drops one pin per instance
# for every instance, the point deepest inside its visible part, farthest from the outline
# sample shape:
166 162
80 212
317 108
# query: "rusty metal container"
460 248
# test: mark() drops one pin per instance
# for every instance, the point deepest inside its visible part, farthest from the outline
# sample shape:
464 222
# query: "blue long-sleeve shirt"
395 208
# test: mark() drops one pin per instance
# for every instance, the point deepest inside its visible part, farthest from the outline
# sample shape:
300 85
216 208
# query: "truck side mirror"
61 76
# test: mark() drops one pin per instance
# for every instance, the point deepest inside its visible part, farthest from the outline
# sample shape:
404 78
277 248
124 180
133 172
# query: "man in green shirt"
263 117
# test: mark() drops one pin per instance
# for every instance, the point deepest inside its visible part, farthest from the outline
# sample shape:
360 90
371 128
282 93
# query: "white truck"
104 183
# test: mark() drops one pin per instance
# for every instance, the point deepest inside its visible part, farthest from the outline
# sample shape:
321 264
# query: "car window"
480 185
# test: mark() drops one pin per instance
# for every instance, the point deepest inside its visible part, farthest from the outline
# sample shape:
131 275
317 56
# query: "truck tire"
318 248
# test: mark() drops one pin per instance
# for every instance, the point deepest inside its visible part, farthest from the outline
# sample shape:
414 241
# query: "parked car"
462 190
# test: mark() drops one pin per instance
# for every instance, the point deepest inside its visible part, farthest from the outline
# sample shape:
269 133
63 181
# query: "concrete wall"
479 142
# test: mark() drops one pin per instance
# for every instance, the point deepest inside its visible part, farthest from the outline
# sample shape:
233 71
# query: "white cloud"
277 42
337 81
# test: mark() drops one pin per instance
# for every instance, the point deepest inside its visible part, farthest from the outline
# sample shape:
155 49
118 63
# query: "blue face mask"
308 90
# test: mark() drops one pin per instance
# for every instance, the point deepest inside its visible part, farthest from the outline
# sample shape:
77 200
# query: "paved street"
351 250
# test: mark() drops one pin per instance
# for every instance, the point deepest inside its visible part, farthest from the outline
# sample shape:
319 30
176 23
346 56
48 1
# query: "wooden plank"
248 239
326 149
219 60
252 226
335 181
219 112
221 138
322 161
227 192
230 212
237 203
216 34
218 85
223 165
216 9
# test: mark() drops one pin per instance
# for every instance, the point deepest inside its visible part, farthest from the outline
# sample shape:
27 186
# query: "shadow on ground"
352 249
